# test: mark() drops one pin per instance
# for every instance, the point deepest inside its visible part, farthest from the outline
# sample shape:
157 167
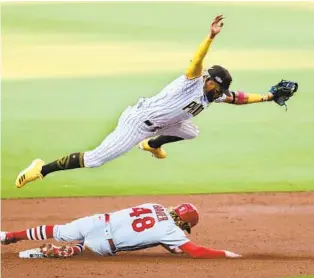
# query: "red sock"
38 233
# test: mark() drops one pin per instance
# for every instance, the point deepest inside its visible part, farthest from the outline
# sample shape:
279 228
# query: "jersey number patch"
141 224
194 108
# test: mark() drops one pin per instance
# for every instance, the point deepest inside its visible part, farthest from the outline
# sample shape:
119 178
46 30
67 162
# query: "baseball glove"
283 91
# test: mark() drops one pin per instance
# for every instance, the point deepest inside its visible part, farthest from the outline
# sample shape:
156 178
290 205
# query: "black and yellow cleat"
31 173
158 153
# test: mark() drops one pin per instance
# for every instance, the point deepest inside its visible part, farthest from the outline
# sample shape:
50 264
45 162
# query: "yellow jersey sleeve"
195 68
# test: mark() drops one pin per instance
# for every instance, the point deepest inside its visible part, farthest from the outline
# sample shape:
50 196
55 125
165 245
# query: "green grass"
142 22
240 148
254 148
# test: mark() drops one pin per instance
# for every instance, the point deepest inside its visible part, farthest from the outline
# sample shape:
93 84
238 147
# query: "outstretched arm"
240 97
199 252
279 93
196 66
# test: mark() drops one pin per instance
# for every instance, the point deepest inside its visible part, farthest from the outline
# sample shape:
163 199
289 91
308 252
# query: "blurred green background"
70 69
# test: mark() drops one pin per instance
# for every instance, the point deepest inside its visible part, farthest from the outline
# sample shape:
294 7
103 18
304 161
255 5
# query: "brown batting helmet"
220 75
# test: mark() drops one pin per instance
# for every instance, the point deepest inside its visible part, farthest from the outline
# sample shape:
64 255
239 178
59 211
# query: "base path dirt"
273 231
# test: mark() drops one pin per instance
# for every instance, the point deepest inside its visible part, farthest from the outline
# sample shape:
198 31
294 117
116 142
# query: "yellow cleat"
31 173
158 153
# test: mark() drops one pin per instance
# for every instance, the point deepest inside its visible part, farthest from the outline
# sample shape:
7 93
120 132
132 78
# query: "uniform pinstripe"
186 130
169 112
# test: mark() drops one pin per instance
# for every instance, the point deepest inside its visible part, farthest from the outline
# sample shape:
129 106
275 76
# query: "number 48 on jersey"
144 223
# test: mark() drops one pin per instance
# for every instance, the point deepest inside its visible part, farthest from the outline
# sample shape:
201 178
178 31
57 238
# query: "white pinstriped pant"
130 131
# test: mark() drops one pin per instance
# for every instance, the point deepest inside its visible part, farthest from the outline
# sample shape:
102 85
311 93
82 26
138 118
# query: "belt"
110 241
149 123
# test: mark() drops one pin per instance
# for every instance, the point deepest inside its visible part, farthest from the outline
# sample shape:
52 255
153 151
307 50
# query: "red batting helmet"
188 213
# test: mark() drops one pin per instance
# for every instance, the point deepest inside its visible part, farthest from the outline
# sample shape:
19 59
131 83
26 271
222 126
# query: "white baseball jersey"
145 226
180 100
134 228
168 114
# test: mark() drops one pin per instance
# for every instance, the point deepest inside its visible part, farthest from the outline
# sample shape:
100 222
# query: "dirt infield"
273 231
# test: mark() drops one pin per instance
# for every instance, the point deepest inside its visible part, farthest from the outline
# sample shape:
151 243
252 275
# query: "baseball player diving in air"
165 117
131 229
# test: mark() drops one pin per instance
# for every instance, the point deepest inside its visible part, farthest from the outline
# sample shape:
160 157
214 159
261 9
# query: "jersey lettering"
141 224
193 108
144 226
160 212
138 211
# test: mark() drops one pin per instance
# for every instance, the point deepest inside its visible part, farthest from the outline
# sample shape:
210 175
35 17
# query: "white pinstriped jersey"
168 112
180 100
145 226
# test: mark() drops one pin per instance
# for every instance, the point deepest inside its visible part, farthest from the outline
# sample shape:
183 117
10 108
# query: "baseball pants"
130 131
91 229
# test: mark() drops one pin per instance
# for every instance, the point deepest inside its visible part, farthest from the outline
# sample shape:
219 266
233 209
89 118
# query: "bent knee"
193 133
62 233
93 159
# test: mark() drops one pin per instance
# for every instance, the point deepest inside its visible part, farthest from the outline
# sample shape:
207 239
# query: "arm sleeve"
196 251
196 66
240 97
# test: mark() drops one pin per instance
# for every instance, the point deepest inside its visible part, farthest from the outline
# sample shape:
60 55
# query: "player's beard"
212 95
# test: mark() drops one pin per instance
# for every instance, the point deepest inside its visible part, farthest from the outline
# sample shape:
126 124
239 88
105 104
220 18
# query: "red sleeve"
196 251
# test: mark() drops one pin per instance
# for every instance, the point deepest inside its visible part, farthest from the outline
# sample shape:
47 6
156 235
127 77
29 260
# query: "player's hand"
216 26
176 250
232 255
